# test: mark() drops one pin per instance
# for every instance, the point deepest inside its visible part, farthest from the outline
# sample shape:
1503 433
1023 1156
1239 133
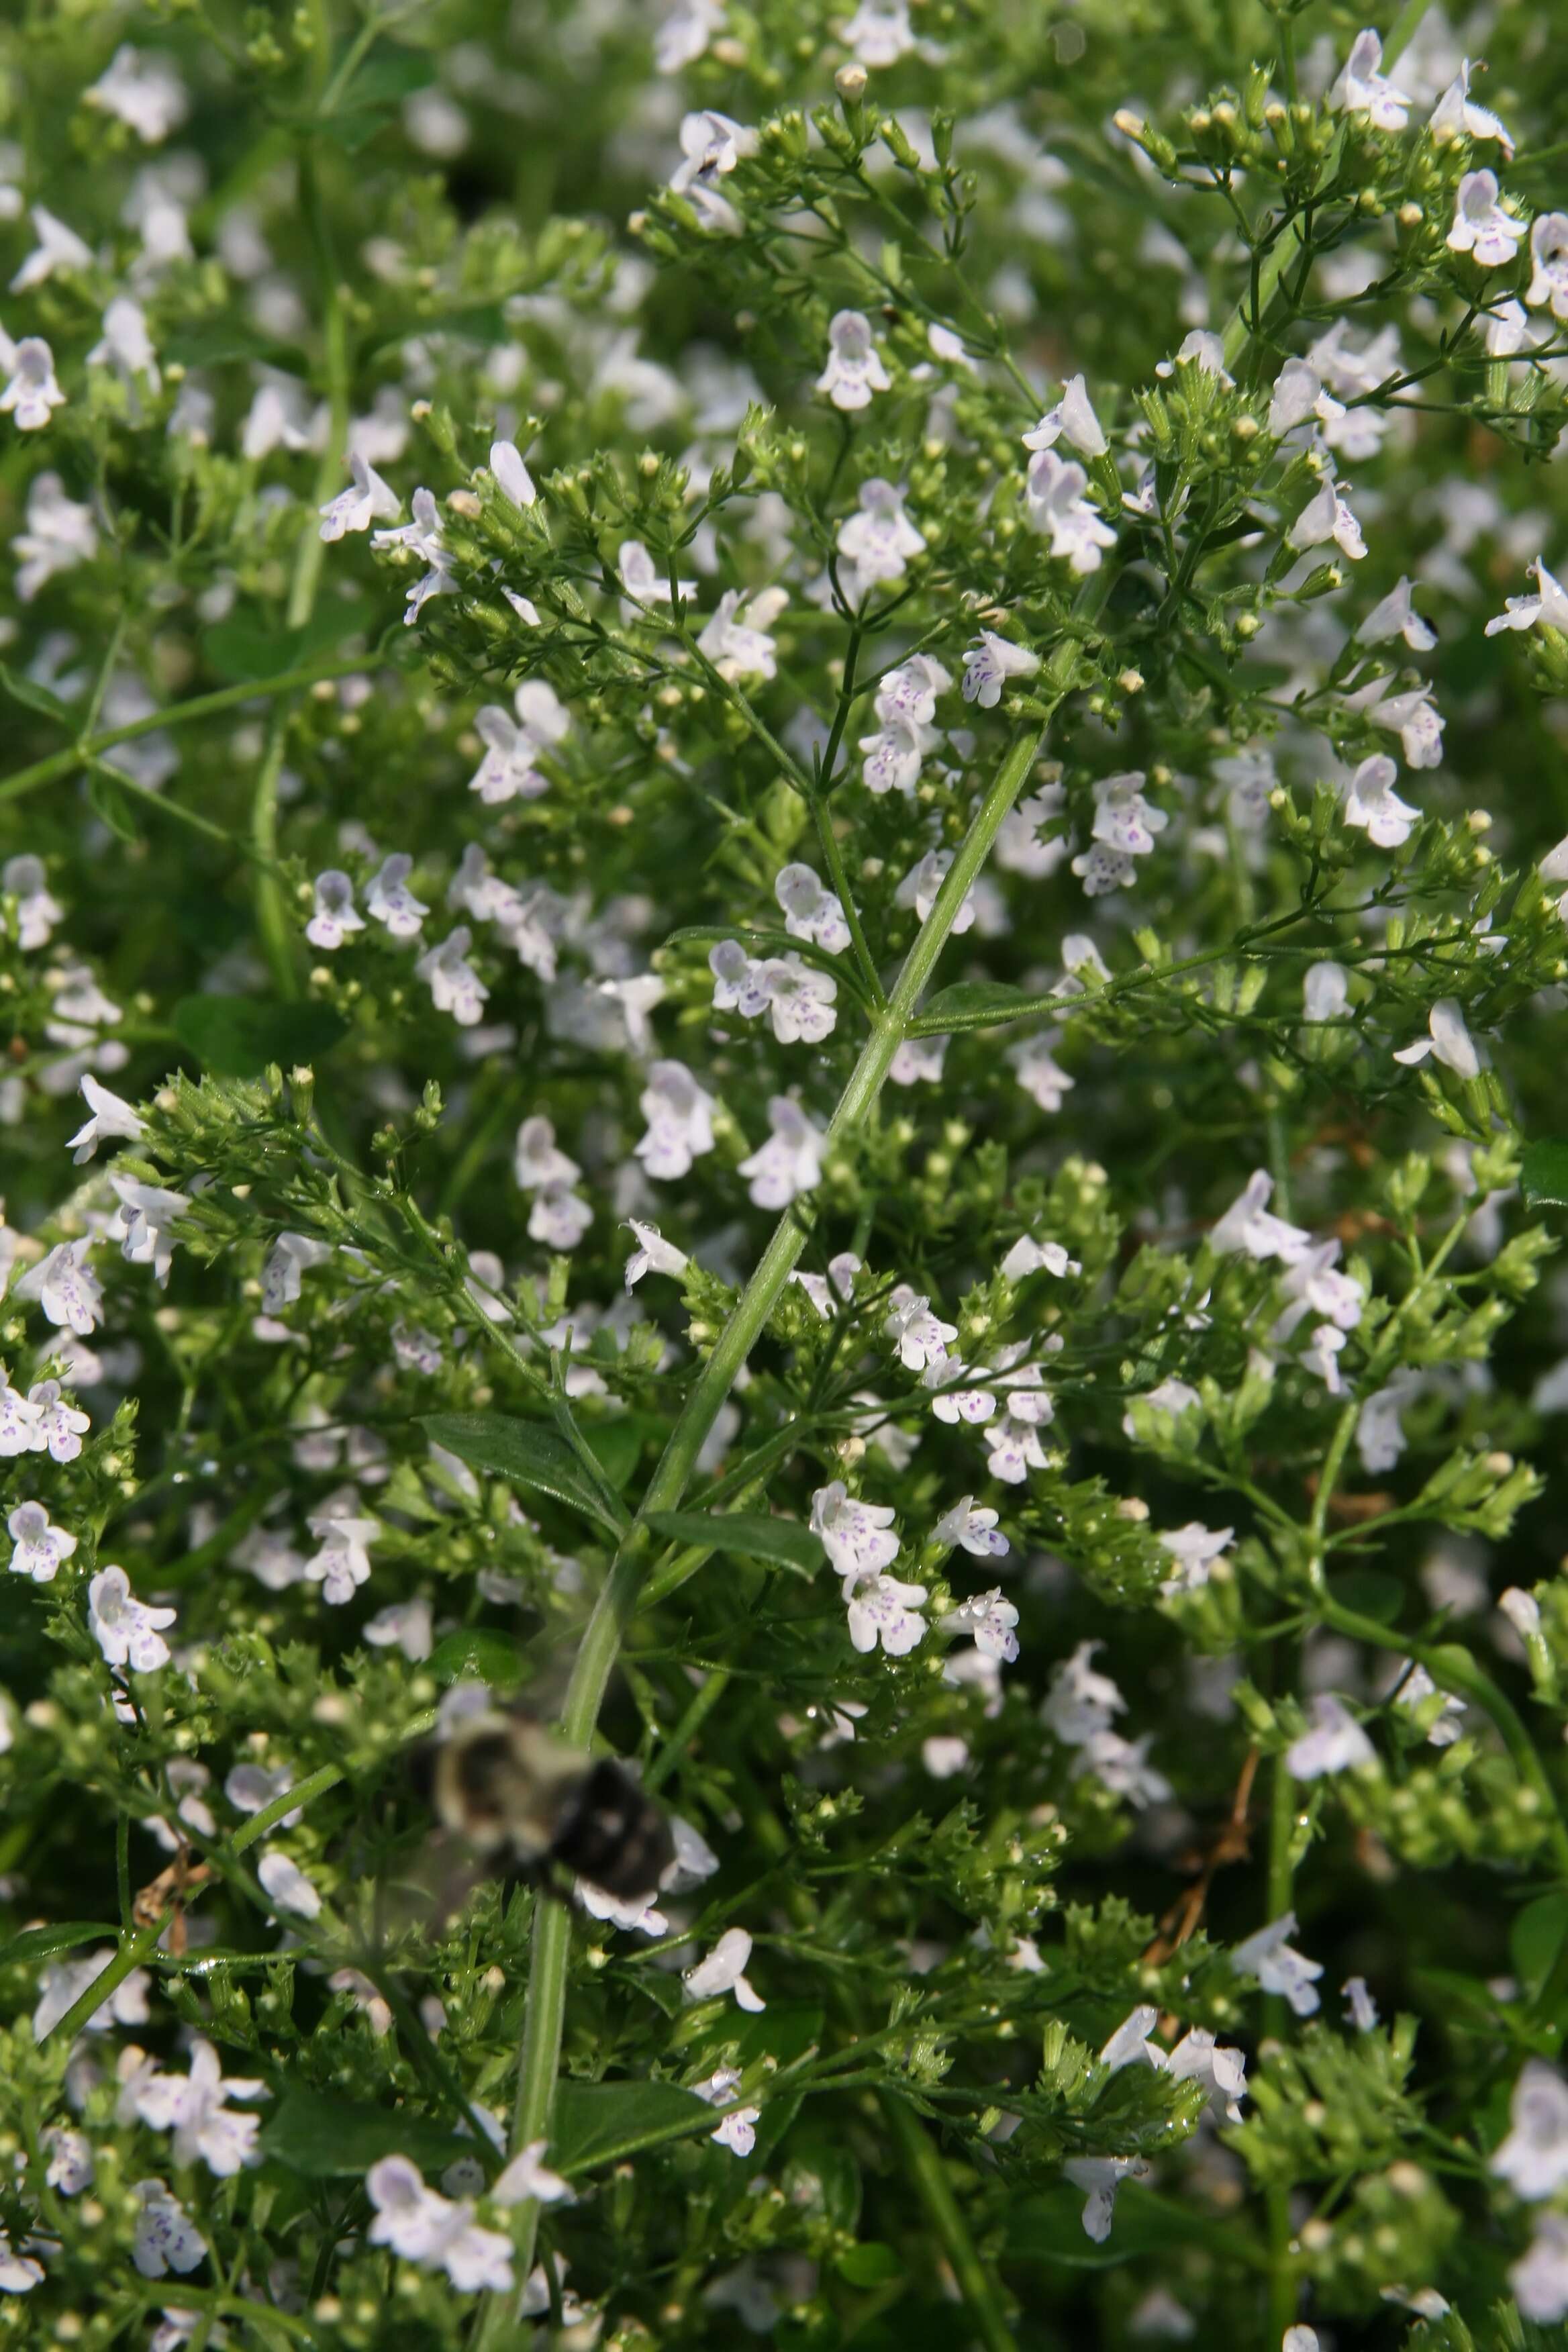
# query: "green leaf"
752 1535
230 339
477 1653
388 76
1536 1938
34 698
600 2123
616 1446
322 2137
109 803
60 1935
871 2264
977 1003
524 1455
250 644
1543 1175
237 1036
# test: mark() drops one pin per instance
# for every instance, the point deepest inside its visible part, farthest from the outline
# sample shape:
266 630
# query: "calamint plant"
783 937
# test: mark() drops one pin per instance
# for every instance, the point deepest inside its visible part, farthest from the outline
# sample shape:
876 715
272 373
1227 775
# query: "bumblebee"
524 1804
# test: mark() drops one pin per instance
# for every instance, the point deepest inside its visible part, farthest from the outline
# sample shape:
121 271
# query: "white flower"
1481 226
1081 1702
288 1261
368 499
19 2273
1325 991
70 2167
856 1535
1548 257
1523 1611
1247 1225
109 1115
653 1253
921 884
1362 89
1336 1742
790 1161
392 902
1124 1767
1539 2279
680 1118
65 1286
1194 1549
1314 1285
738 2132
1380 1439
712 144
1123 819
1029 1257
56 1424
1036 1070
943 1757
988 1618
455 986
919 1337
1019 847
1298 393
511 477
288 1885
800 999
1013 1445
1415 1686
507 771
528 2176
1449 1042
424 2227
536 1162
405 1626
144 90
39 1548
1198 2058
166 2238
1129 2045
59 247
59 535
127 1631
975 1530
1411 715
853 370
1321 1356
422 537
723 1971
989 661
1072 419
880 33
25 879
735 637
885 1609
1360 2010
1550 608
1373 804
63 1983
343 1563
1533 2158
1100 2177
828 1291
1326 516
1457 115
1395 616
194 2107
810 910
32 392
1267 1957
1059 510
877 543
335 914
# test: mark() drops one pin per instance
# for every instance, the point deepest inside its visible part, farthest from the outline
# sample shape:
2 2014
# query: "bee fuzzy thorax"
522 1800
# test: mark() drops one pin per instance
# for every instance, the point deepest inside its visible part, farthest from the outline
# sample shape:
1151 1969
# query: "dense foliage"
783 940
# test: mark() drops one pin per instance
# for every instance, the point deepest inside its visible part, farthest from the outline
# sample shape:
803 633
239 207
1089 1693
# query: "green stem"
87 2004
179 714
545 2012
314 1785
935 2190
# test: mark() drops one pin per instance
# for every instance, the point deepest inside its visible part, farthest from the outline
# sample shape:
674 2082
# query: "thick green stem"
596 1654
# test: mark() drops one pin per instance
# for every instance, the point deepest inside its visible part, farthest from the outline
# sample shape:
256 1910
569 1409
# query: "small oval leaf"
600 2123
